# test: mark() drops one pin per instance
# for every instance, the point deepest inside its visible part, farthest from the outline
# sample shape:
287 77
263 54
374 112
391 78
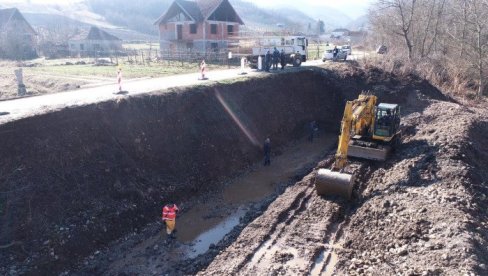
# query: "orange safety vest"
169 212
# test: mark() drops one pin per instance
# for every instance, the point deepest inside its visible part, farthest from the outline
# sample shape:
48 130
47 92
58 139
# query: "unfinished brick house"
200 26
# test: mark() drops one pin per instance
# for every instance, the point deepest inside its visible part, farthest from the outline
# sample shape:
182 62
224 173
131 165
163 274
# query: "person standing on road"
203 67
267 60
169 218
283 59
267 152
276 57
335 52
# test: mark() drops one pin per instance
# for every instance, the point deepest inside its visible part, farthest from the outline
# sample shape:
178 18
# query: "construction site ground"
89 182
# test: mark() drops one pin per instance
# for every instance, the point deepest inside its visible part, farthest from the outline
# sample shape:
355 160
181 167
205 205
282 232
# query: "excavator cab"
387 121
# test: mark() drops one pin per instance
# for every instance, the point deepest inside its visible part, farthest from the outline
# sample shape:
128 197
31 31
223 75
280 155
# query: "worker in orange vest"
169 217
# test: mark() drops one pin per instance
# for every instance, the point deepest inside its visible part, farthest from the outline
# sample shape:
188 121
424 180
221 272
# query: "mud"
204 230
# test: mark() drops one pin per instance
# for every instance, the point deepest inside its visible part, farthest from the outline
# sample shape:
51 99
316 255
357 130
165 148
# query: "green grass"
128 70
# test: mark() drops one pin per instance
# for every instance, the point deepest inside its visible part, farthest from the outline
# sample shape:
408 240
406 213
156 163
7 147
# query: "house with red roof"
199 26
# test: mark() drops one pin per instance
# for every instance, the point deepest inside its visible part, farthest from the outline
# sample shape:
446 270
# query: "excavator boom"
358 123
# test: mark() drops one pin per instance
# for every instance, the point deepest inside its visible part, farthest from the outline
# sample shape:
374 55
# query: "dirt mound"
413 215
423 212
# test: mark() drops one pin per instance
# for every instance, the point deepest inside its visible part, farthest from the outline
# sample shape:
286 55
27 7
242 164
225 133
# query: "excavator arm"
358 118
341 155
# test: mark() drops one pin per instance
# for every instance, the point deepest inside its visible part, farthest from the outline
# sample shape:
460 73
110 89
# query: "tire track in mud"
303 238
288 240
262 254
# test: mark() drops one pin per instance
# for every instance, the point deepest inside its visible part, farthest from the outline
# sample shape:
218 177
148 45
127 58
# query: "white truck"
295 48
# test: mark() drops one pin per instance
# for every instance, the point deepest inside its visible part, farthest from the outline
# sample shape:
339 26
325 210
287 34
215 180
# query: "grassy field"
49 76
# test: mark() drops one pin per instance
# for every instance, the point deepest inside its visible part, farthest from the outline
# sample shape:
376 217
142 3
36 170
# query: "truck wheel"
297 62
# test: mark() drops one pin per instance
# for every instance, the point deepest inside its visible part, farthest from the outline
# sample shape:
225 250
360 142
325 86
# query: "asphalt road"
12 110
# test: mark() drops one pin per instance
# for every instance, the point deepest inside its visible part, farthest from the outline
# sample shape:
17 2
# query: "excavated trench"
75 181
81 189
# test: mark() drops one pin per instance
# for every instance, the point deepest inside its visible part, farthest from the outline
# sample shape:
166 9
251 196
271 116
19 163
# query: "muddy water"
262 182
203 226
215 234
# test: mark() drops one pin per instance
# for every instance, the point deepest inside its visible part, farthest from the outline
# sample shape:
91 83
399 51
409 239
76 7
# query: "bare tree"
446 39
398 21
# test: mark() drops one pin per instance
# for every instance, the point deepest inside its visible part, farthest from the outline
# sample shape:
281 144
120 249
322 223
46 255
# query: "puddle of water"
214 235
196 221
262 182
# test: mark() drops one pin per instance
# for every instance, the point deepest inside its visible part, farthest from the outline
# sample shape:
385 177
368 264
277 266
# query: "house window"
189 45
214 45
193 28
230 29
82 47
213 28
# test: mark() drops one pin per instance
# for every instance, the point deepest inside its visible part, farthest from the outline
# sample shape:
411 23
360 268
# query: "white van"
347 49
329 55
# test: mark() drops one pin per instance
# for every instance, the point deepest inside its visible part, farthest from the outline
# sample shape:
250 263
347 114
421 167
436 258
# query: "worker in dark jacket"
267 60
283 59
267 152
276 57
335 52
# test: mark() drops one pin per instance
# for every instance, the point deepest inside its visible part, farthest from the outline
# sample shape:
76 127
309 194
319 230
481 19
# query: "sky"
352 8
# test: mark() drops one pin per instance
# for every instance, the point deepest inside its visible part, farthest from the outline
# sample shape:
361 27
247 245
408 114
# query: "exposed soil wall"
74 180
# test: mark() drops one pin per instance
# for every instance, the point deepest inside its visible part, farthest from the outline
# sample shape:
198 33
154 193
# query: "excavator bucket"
328 182
379 154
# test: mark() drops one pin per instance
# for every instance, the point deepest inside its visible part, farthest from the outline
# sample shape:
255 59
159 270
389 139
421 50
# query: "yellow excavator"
368 131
